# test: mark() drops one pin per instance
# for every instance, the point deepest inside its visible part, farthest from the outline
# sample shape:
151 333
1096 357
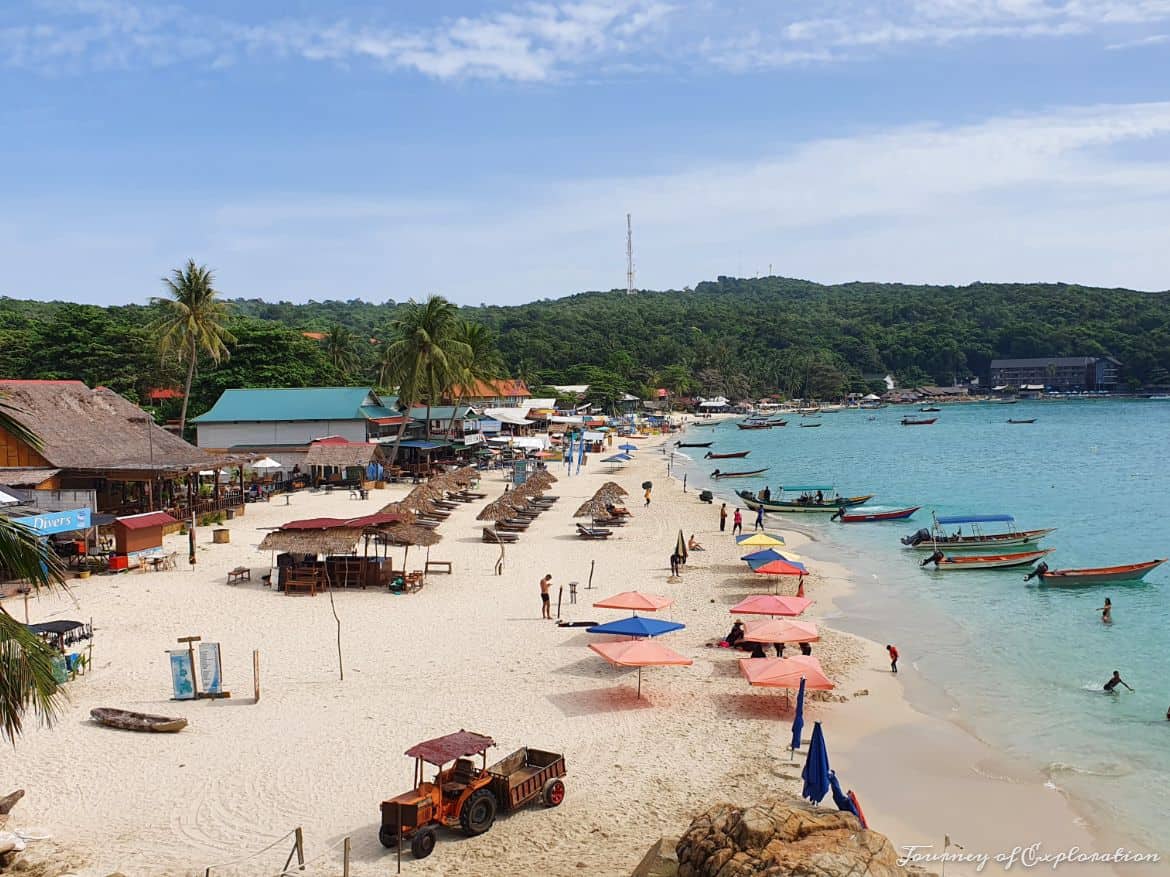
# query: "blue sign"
48 523
519 471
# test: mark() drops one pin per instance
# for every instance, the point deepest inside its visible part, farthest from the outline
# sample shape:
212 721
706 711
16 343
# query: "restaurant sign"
48 523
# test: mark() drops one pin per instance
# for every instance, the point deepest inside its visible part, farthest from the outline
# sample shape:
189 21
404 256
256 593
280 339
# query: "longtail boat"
805 502
930 409
808 425
925 421
693 444
777 423
129 721
1071 578
937 538
737 455
718 474
747 425
1029 420
984 561
864 517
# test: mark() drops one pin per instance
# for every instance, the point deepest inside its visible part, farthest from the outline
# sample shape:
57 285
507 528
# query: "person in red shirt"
893 658
736 523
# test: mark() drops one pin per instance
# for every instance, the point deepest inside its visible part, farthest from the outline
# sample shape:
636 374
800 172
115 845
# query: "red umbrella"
779 568
786 672
639 653
635 601
771 604
781 630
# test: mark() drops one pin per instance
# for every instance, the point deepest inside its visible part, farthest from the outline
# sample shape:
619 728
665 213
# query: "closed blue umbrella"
798 717
636 625
816 767
843 801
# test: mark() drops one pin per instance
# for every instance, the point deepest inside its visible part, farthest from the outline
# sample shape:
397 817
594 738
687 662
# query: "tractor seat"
453 790
464 771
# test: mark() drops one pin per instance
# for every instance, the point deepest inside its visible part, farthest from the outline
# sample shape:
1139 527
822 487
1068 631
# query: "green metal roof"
298 403
441 412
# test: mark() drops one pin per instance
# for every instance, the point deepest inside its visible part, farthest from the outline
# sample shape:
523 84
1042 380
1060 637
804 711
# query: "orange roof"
316 336
504 387
164 393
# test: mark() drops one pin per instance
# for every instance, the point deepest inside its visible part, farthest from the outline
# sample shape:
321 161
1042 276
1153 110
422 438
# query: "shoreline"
470 651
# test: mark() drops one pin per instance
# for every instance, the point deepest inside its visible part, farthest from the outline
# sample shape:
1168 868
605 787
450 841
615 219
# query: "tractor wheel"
423 843
478 813
388 837
553 792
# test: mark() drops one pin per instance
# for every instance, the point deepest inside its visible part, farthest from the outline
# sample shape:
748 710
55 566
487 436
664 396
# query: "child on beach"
893 658
736 523
647 495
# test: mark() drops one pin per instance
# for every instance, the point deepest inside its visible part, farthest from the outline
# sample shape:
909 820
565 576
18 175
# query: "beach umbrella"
680 547
635 601
627 447
592 508
7 498
266 463
771 604
761 540
785 673
638 626
754 565
781 630
640 653
780 568
407 535
844 802
617 459
816 767
798 717
615 487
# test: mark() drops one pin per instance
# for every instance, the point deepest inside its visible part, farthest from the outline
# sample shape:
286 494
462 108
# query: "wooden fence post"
345 859
256 673
300 849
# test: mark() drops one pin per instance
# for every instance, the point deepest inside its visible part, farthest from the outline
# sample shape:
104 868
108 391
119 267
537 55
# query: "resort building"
258 419
501 393
1062 373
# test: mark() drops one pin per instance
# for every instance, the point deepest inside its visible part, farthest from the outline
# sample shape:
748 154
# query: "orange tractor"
464 795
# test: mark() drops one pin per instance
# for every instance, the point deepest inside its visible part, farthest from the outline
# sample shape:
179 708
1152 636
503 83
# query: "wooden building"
137 533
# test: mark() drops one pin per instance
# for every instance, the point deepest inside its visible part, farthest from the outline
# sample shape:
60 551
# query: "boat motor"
916 538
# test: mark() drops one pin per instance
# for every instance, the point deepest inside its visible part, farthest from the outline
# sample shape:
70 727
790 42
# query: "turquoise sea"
1019 665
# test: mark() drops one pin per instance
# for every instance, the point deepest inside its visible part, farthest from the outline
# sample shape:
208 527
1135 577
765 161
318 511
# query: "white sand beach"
470 651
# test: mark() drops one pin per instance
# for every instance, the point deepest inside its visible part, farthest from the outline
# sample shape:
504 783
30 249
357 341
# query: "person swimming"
1107 611
1116 680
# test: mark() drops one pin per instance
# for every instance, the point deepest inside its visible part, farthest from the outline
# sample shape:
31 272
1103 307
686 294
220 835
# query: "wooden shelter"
134 534
333 461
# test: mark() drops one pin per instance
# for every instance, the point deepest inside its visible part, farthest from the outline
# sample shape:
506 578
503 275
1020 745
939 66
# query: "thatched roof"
84 429
342 456
614 487
501 509
399 508
464 475
405 534
338 540
594 508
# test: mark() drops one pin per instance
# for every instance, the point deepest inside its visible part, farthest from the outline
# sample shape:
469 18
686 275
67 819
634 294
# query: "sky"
490 151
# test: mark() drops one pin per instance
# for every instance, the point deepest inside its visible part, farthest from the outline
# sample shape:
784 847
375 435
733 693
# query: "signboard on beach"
182 675
519 471
210 669
47 523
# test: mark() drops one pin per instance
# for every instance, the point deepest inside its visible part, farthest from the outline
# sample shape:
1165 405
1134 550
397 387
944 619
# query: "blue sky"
490 151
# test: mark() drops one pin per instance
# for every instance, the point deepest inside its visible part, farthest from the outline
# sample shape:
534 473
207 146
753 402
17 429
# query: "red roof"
505 387
164 393
316 336
334 440
375 520
443 749
145 521
391 421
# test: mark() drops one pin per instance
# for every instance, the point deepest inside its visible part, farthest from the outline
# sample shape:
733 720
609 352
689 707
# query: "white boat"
937 539
984 561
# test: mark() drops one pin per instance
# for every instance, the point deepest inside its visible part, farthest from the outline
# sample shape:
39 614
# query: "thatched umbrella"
615 487
464 475
500 509
608 496
407 535
593 508
406 513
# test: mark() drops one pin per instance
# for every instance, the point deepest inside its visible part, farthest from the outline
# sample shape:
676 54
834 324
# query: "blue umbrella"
843 801
636 625
816 767
798 717
618 458
764 555
627 447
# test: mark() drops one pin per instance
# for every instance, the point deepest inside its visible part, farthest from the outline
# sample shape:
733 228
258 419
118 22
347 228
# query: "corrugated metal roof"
1043 362
142 522
246 405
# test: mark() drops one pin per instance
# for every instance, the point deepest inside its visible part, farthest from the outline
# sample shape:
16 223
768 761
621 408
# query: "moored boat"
925 421
806 501
936 537
947 563
1028 420
131 721
930 409
736 455
809 425
777 423
718 474
866 516
747 425
693 444
1071 578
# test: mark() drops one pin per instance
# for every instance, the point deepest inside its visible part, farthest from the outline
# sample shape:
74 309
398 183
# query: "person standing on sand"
893 658
1107 611
675 560
545 602
759 519
647 496
723 517
736 523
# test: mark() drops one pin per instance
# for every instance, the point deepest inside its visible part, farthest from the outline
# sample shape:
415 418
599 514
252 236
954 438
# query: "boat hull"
984 543
862 517
925 422
754 425
752 503
738 455
694 444
1072 578
990 561
130 721
739 474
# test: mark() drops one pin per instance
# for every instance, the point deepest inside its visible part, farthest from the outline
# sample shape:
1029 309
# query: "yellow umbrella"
761 539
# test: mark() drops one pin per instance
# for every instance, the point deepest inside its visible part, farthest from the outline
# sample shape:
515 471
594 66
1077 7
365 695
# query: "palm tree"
422 356
341 349
481 362
193 322
27 683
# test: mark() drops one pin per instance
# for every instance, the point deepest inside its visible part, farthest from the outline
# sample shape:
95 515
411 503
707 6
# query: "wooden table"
239 574
444 565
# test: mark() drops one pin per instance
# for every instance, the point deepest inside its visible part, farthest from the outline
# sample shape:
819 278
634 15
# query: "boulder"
661 860
783 838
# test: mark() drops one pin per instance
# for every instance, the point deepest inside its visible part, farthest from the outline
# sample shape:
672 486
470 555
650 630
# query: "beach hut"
137 534
303 542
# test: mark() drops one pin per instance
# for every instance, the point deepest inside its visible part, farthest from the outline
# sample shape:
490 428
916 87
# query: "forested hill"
731 336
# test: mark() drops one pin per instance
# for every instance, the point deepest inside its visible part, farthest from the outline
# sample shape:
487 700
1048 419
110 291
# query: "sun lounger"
512 526
494 536
609 522
593 532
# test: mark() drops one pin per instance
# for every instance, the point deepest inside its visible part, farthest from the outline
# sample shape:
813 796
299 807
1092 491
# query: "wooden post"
256 673
560 594
400 834
589 587
345 858
300 849
190 641
333 607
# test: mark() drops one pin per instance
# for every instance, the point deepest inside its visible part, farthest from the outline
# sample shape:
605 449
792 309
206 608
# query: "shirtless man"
545 603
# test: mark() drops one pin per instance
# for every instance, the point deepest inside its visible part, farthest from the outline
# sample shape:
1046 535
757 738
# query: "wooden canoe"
754 425
694 444
737 455
1130 572
809 425
718 474
986 561
1031 420
831 504
862 517
130 721
925 421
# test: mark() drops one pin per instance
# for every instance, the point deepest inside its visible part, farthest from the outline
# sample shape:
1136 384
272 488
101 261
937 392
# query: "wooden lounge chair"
495 537
609 522
593 532
512 526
